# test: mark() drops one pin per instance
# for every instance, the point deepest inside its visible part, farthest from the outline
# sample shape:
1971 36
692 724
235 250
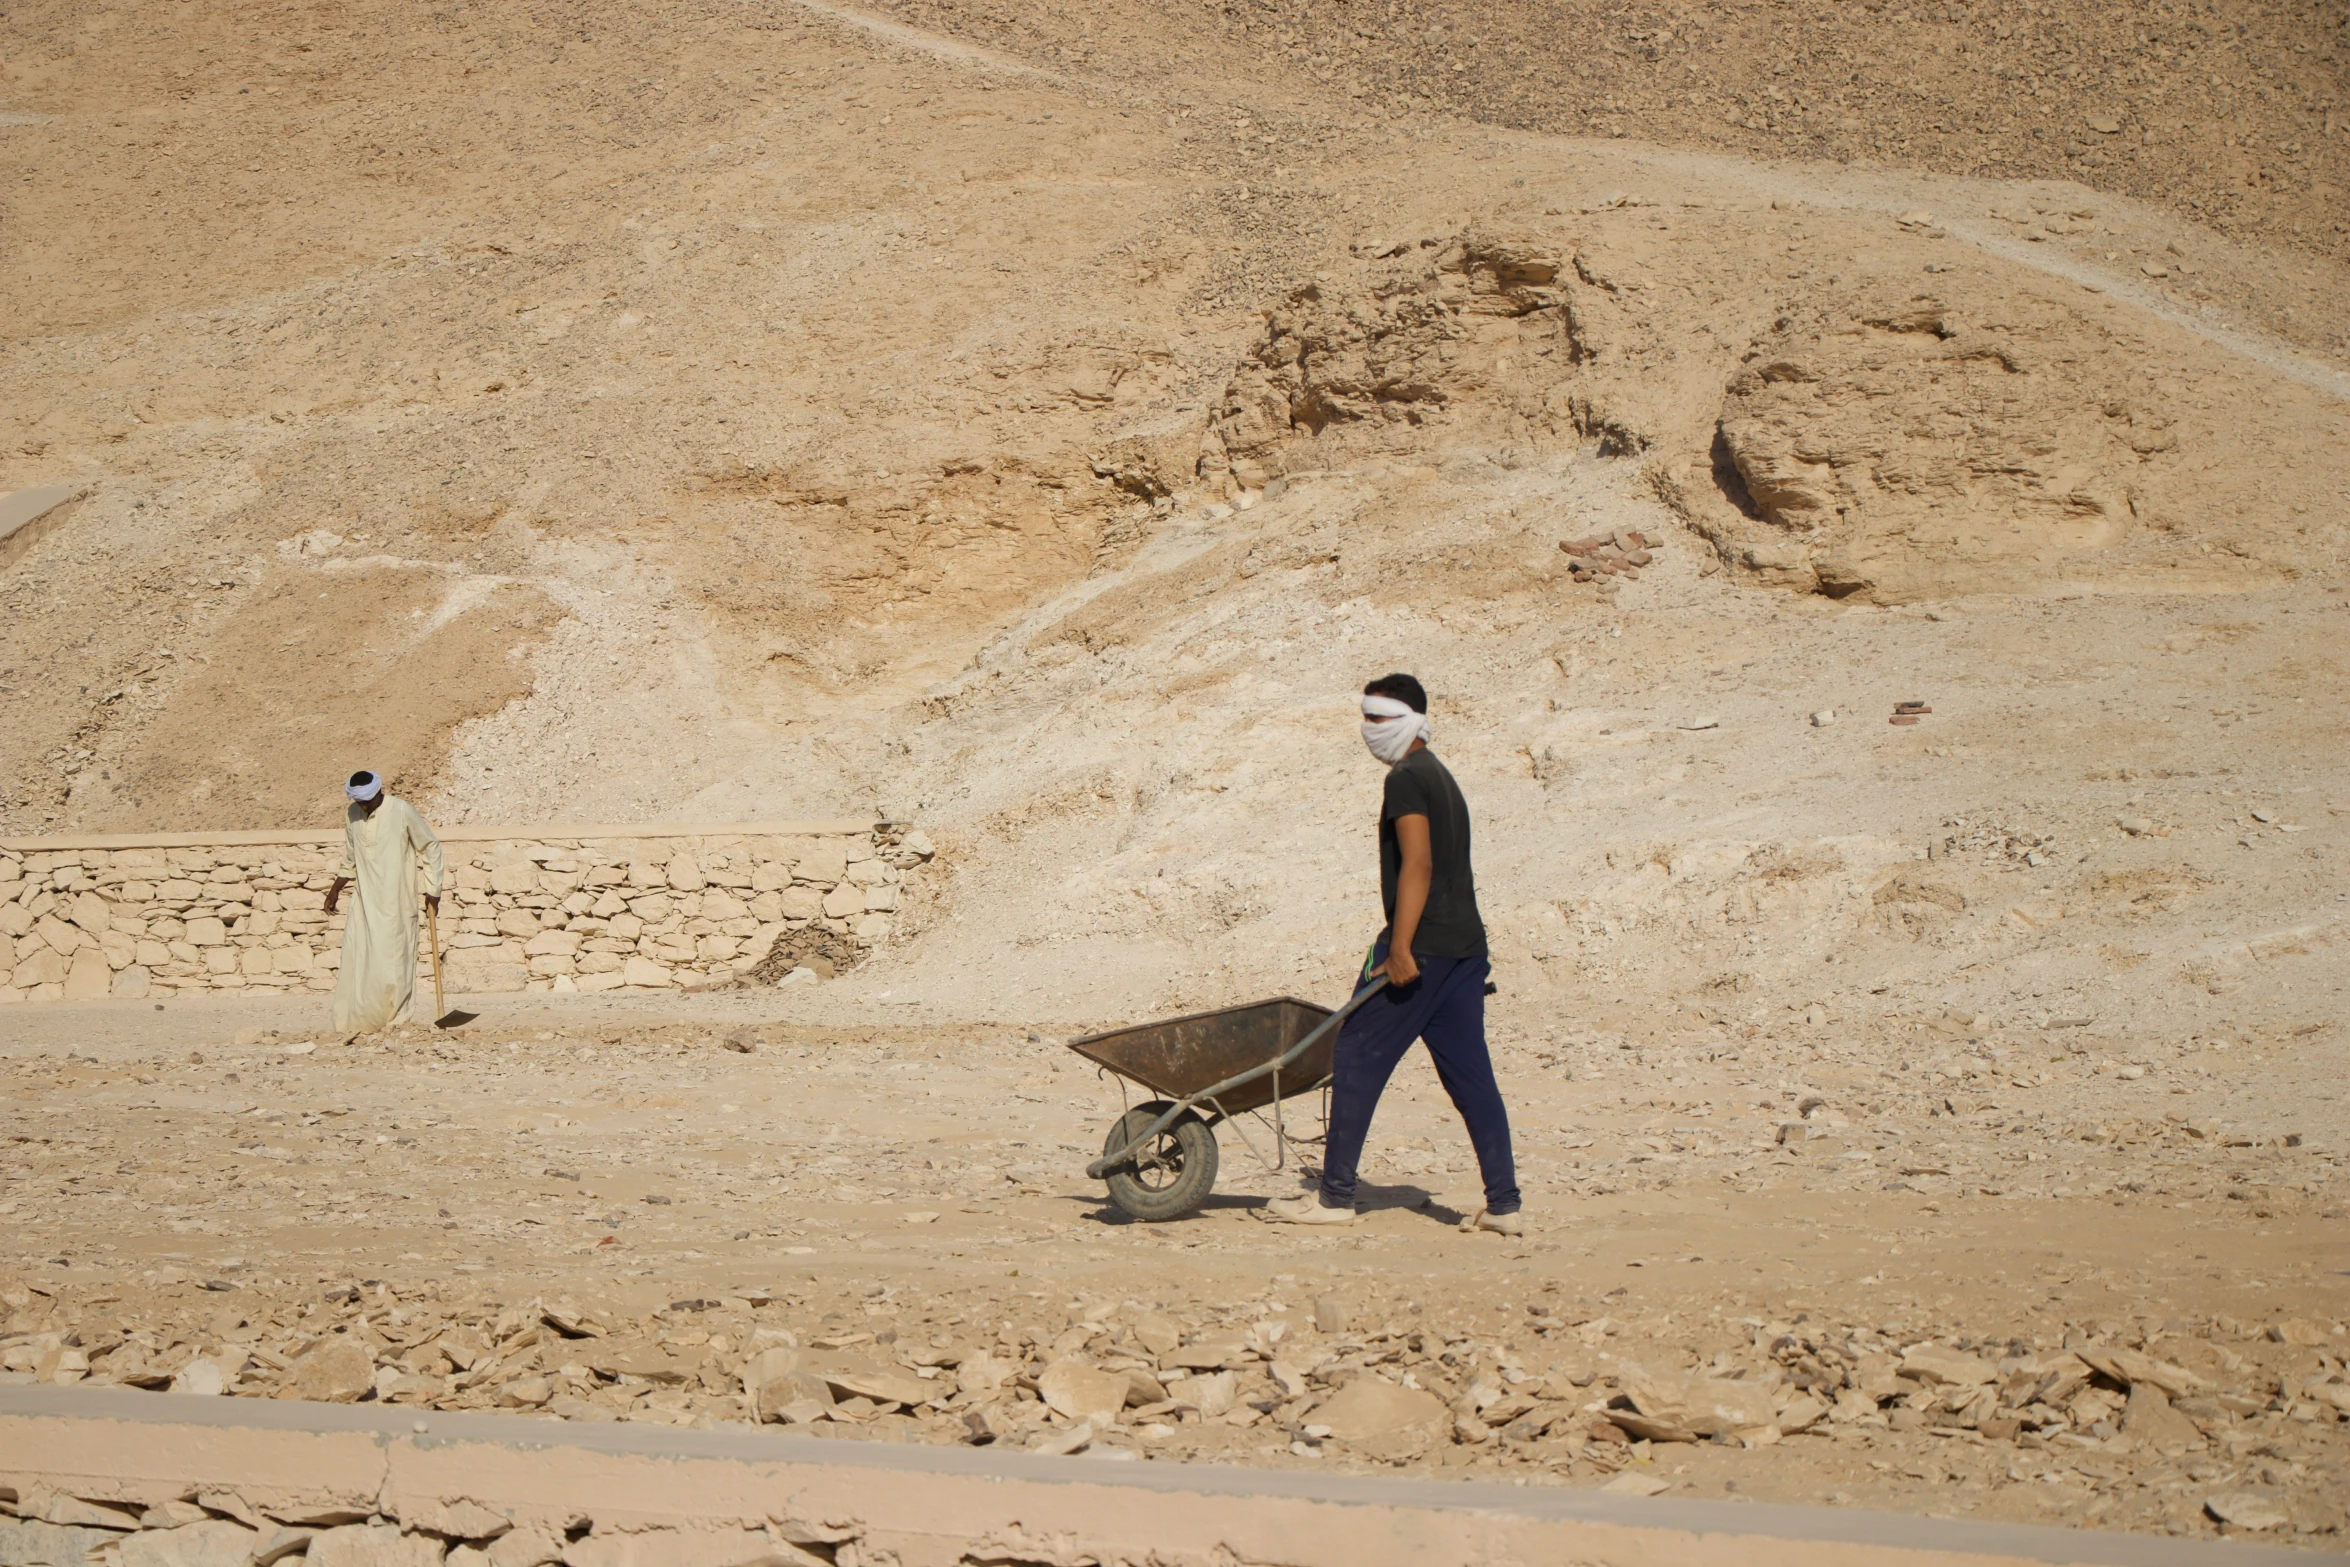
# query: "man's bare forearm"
1412 879
1411 901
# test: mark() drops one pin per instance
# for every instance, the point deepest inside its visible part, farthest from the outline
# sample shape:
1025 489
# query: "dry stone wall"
561 909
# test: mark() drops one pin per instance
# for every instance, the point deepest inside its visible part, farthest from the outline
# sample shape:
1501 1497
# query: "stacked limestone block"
550 914
86 923
658 913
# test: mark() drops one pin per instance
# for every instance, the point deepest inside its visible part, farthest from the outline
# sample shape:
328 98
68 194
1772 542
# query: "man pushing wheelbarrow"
1425 979
1429 966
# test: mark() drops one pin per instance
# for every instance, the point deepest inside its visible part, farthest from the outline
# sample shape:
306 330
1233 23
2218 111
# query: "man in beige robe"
384 841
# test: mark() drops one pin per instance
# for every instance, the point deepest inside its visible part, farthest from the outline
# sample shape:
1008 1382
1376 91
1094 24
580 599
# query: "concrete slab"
27 516
942 1505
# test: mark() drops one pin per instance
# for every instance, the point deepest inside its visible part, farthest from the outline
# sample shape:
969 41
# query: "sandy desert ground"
1035 426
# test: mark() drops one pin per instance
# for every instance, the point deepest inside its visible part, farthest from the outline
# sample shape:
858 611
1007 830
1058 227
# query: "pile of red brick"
1618 554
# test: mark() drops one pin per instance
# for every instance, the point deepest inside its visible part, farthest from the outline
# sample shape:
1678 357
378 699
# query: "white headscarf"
1390 727
365 787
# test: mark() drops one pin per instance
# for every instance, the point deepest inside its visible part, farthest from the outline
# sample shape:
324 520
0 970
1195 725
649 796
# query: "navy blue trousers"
1446 1007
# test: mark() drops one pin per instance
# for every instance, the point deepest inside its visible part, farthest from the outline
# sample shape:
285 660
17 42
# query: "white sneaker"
1305 1208
1511 1224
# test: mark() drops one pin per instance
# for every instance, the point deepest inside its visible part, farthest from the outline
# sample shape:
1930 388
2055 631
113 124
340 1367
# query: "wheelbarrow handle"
1108 1162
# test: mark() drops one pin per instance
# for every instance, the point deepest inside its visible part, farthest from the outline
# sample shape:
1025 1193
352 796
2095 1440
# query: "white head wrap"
364 786
1390 727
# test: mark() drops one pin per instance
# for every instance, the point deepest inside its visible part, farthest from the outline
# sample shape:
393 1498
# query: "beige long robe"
381 856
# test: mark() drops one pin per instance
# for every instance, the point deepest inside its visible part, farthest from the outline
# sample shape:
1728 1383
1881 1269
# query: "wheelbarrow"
1159 1160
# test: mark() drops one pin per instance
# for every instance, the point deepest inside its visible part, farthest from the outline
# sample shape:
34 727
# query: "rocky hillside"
768 411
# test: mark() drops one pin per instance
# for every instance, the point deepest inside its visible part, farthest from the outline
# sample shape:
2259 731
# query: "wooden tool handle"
432 920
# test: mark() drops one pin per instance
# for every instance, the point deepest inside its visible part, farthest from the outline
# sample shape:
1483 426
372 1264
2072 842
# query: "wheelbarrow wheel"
1169 1177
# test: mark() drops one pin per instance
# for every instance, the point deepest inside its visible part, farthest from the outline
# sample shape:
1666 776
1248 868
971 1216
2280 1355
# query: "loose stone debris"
822 953
1006 1323
1539 1398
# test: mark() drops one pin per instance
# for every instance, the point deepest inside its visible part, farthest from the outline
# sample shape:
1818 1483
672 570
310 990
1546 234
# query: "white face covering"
1390 727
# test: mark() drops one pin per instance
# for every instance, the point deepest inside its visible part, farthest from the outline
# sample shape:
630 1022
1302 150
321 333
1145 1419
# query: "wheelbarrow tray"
1184 1055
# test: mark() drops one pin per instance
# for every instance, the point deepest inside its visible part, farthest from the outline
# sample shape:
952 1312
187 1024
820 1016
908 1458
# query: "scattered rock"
2246 1510
2335 1395
2149 1419
773 1381
1800 1413
1083 1392
1062 1443
1162 1334
526 1392
1372 1406
1211 1395
883 1387
1936 1364
1705 1406
983 1374
202 1377
337 1371
650 1363
2129 1367
1643 1428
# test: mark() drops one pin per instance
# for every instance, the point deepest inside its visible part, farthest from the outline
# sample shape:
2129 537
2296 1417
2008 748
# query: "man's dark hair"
359 779
1403 688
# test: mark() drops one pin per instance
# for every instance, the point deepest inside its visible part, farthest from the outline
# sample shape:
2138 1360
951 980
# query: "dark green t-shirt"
1419 785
